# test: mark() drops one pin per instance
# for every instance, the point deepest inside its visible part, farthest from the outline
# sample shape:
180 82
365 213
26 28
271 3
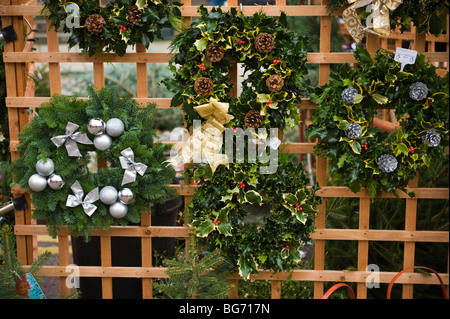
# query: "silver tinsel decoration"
432 138
348 95
387 163
354 131
418 91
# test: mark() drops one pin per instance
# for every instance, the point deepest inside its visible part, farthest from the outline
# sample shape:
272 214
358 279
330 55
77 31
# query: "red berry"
276 61
241 185
288 247
216 222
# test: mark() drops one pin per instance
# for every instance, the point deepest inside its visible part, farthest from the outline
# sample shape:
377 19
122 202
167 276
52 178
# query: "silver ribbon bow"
131 167
70 139
77 199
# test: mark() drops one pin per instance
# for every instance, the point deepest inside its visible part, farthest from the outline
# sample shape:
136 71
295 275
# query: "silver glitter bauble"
126 196
433 139
114 127
418 91
96 126
108 195
45 167
102 142
55 181
387 163
348 95
37 182
354 131
118 210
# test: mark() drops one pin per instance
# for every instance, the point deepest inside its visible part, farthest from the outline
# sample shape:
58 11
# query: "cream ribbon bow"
379 24
207 144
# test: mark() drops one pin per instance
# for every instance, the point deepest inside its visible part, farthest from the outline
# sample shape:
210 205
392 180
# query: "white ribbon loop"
70 140
77 199
130 166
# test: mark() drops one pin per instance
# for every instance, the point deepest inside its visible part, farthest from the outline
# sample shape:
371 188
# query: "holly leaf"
224 227
253 197
205 228
401 148
141 4
246 266
343 125
301 217
356 147
380 99
201 44
291 199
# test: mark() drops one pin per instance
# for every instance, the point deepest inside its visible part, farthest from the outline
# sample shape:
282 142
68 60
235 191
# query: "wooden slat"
296 275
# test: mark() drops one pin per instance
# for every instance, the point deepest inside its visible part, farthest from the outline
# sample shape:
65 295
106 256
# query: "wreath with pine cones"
57 149
273 59
100 29
257 221
360 147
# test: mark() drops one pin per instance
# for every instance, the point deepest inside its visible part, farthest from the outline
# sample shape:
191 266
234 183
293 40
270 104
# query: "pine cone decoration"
214 53
204 86
134 14
95 24
253 119
418 91
354 131
433 139
387 163
264 42
274 83
348 95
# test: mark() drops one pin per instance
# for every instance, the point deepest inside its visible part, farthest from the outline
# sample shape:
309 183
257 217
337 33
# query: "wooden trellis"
20 98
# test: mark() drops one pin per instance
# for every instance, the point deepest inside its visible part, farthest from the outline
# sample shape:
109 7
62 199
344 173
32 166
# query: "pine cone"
214 53
354 131
95 23
134 14
348 95
204 86
433 139
253 119
387 163
274 83
264 42
418 91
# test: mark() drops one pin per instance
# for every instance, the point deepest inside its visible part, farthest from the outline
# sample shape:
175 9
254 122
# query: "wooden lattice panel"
20 98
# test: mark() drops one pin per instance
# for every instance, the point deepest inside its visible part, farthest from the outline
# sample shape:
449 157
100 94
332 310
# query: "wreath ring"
366 154
56 150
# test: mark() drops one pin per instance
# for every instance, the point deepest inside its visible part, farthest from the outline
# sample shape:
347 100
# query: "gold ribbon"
379 24
207 144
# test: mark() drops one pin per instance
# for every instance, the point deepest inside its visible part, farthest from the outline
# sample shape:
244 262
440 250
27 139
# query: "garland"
223 204
55 162
364 154
114 27
273 58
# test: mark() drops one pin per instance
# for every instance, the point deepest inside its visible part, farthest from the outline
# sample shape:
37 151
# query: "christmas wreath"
114 27
255 220
363 152
428 16
273 59
56 150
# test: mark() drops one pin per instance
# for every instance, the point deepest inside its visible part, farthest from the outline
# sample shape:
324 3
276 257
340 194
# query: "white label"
405 56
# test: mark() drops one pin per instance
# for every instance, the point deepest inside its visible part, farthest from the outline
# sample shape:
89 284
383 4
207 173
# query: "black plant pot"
125 252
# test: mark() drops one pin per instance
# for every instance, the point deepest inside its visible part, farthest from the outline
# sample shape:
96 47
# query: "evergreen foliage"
198 277
51 120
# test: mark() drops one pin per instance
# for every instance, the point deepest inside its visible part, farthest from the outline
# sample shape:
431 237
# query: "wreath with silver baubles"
367 151
58 149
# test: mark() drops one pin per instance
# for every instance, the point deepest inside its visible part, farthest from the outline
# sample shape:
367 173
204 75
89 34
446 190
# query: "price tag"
405 56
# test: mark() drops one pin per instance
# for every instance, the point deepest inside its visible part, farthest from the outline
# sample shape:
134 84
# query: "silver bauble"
114 127
102 142
108 195
96 126
118 210
45 167
126 196
55 181
37 182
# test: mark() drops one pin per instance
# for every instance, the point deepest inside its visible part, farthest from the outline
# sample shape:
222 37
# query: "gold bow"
208 143
379 24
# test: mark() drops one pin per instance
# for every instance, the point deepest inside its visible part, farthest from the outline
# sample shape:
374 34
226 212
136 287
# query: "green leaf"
302 218
358 98
343 125
224 228
380 99
253 197
356 147
205 228
246 266
290 199
141 4
402 148
341 160
201 44
262 98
